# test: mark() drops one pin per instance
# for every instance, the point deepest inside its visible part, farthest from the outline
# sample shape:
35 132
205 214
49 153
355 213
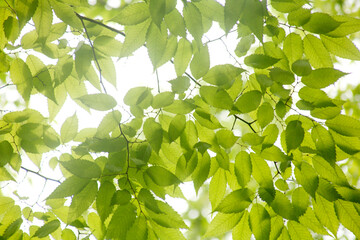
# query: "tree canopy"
266 137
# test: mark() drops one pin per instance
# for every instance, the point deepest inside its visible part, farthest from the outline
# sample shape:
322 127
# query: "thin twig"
93 51
244 121
40 175
13 10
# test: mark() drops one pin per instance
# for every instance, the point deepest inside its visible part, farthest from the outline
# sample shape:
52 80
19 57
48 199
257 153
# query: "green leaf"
163 99
325 212
66 14
139 96
282 206
148 199
254 18
287 5
104 199
193 21
182 56
341 47
175 23
260 222
225 138
12 228
69 187
153 133
244 45
348 216
157 11
316 52
201 171
248 101
47 229
132 14
243 168
98 101
348 25
294 135
262 174
200 63
21 76
236 201
260 61
138 230
180 84
281 76
321 23
83 58
310 221
217 188
232 13
322 77
41 77
216 97
122 220
25 9
6 153
156 40
344 125
301 67
180 107
350 145
82 201
108 46
252 139
135 37
43 18
69 129
109 123
168 217
82 168
222 75
324 143
265 114
308 178
161 176
222 223
176 127
242 230
108 70
298 231
299 16
120 197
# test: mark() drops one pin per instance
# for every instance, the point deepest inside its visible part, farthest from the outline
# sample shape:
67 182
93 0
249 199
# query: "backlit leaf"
298 231
316 52
294 135
265 114
98 101
82 168
82 201
193 21
69 187
47 229
217 188
260 61
216 97
43 19
153 133
176 127
133 14
342 47
222 223
321 23
104 199
324 143
120 223
22 78
348 216
222 75
248 101
236 201
260 223
69 129
325 212
344 125
161 176
200 63
175 22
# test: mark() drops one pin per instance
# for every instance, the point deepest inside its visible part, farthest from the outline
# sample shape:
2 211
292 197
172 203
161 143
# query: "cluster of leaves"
278 179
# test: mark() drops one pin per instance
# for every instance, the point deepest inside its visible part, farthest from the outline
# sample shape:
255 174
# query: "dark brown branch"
247 123
40 175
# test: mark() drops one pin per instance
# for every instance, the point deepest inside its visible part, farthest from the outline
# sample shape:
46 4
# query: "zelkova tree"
277 153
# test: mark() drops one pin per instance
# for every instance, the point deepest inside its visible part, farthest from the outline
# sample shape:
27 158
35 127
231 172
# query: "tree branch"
247 123
40 175
123 34
93 51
